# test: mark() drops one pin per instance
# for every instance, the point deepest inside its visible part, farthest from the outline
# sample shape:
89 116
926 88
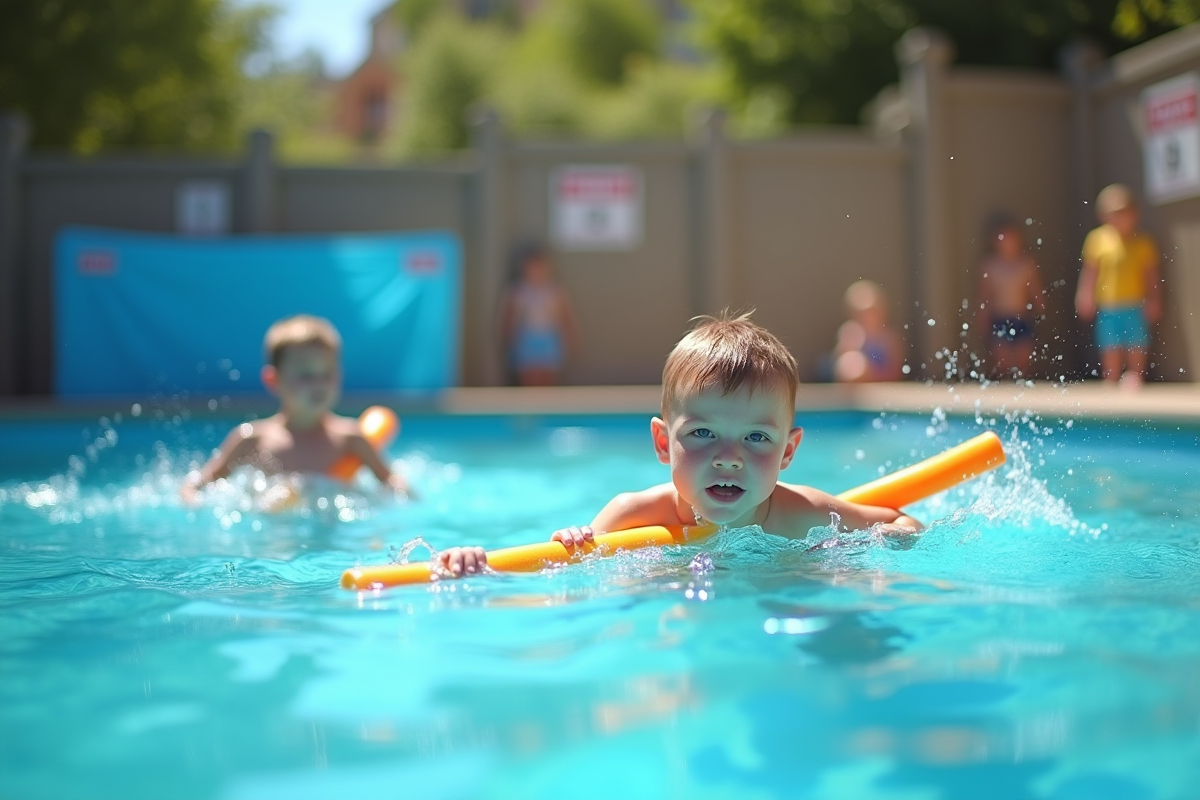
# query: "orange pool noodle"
934 474
379 425
899 489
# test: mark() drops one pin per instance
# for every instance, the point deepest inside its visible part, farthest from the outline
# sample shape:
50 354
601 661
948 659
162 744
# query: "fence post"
717 285
1080 63
484 283
14 136
258 176
924 56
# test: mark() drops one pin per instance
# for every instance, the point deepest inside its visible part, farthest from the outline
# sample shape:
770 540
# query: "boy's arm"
362 449
653 506
806 507
1085 294
237 446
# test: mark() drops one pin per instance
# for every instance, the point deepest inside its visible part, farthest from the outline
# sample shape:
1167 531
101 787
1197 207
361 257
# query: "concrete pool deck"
1093 399
1155 402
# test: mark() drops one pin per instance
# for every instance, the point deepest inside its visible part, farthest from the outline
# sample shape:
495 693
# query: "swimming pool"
1041 640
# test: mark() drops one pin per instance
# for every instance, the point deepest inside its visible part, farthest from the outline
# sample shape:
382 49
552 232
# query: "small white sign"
1172 143
596 207
202 208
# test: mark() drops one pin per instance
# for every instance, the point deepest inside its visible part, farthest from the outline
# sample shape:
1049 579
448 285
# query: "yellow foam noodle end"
935 474
379 425
897 490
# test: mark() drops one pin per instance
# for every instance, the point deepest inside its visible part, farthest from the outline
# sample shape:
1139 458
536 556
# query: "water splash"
402 554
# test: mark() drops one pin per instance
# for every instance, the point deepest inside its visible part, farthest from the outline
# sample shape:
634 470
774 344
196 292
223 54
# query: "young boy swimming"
303 370
728 403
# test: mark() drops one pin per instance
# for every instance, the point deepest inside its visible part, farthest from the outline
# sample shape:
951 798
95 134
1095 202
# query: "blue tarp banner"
143 313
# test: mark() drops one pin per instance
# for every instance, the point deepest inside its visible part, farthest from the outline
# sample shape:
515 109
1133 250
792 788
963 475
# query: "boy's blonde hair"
730 352
298 330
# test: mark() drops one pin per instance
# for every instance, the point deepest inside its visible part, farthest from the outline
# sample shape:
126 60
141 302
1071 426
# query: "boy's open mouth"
724 492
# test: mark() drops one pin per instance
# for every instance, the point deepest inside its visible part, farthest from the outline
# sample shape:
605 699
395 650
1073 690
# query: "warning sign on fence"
1172 146
596 207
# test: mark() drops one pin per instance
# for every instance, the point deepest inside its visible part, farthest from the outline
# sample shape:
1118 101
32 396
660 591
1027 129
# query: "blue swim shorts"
1122 327
538 349
1011 329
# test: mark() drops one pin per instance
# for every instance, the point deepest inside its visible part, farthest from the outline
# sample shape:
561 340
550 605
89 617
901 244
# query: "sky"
336 28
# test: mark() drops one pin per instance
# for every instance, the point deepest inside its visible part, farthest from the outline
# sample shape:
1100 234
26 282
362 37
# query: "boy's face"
308 380
726 450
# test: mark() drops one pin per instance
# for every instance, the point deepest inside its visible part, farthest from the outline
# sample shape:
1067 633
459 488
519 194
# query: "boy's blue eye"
757 437
703 433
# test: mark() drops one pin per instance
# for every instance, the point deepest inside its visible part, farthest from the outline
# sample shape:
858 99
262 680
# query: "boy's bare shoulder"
653 506
343 423
344 427
794 506
254 431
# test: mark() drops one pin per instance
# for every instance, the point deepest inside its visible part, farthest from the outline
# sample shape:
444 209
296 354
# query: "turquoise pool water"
1041 640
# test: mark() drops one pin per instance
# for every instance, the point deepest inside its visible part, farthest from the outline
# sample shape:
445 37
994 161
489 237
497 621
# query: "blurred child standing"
1010 300
1119 286
536 320
867 349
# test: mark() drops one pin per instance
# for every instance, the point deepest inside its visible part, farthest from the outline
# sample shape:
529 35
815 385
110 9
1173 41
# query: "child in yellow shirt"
1119 286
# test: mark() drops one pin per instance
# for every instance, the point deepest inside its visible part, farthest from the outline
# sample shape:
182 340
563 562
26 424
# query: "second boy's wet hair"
299 330
730 352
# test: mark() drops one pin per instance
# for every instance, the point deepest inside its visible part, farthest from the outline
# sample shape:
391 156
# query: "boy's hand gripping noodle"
921 480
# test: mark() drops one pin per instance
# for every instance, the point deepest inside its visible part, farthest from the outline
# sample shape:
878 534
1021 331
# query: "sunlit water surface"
1041 640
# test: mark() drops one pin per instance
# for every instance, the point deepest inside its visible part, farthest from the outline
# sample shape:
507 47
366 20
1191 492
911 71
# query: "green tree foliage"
292 99
451 66
580 68
596 39
126 73
413 14
800 61
657 101
1135 17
